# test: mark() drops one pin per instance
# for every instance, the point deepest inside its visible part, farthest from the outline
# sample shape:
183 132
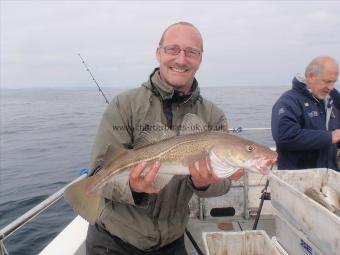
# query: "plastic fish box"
239 243
278 246
292 240
319 225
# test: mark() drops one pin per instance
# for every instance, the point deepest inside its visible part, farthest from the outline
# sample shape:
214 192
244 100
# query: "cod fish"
327 197
227 153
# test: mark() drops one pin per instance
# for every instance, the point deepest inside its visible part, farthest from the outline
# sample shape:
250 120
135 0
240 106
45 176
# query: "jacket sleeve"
114 133
288 132
213 190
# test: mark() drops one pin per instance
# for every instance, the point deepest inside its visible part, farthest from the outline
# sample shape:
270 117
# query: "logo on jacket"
282 110
313 114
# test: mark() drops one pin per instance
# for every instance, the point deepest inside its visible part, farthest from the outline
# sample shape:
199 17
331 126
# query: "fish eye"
250 148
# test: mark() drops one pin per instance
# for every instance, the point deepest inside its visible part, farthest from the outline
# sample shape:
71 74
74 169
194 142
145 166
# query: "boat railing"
41 207
240 129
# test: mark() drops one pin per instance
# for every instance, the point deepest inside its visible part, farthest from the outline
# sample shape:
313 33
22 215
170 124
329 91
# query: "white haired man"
305 125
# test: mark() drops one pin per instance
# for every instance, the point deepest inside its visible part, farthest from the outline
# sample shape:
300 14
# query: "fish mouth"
263 165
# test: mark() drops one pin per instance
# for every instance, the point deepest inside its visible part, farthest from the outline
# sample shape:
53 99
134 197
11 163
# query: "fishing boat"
248 206
237 210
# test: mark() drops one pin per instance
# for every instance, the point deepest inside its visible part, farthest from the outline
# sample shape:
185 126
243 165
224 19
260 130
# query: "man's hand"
143 183
336 136
204 175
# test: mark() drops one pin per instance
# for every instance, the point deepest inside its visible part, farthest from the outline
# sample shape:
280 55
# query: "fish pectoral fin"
89 206
112 154
161 180
193 158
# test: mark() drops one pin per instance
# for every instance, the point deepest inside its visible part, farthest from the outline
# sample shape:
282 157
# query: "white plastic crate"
319 226
293 240
278 246
239 243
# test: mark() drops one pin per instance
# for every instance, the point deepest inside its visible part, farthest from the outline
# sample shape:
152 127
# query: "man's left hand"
204 175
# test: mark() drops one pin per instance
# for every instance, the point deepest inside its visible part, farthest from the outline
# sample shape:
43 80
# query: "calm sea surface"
46 137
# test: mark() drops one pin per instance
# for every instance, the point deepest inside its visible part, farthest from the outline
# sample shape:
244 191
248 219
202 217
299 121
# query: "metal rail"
241 129
29 215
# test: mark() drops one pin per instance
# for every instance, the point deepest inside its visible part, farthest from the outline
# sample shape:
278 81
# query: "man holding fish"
156 146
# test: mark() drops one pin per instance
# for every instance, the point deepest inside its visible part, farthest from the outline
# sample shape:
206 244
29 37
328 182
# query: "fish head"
238 152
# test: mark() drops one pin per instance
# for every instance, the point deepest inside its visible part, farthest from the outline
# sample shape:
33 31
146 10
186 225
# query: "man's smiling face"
179 70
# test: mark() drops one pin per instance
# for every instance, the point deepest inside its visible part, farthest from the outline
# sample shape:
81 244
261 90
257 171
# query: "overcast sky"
246 42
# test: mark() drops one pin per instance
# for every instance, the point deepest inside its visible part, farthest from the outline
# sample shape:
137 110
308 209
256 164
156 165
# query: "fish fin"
192 124
112 155
193 157
156 133
161 180
109 153
89 206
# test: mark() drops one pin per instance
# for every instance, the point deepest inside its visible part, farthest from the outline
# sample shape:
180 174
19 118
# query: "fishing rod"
95 81
265 196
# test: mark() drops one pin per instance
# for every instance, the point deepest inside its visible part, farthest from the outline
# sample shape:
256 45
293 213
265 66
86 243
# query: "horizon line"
128 87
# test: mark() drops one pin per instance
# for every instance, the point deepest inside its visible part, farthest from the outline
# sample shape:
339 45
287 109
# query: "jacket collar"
166 91
300 86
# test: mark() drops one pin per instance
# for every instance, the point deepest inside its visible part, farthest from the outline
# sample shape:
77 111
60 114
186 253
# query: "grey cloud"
246 43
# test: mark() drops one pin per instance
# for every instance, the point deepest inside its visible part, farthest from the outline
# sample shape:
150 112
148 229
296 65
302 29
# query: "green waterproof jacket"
151 221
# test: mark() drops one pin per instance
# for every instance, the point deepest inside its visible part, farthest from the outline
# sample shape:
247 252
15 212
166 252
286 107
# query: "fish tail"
89 205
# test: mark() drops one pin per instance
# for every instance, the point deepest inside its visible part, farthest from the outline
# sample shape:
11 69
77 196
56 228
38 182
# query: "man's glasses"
174 50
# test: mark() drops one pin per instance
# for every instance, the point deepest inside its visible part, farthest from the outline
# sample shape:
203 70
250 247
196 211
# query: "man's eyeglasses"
174 50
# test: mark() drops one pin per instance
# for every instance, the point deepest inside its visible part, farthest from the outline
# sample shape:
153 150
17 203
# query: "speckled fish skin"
233 151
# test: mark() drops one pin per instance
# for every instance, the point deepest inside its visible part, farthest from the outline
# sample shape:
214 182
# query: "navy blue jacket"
299 130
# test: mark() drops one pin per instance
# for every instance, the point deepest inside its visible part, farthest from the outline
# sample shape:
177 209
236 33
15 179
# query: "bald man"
305 125
139 219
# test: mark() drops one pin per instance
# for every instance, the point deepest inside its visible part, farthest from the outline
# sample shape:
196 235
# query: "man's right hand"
336 136
143 183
